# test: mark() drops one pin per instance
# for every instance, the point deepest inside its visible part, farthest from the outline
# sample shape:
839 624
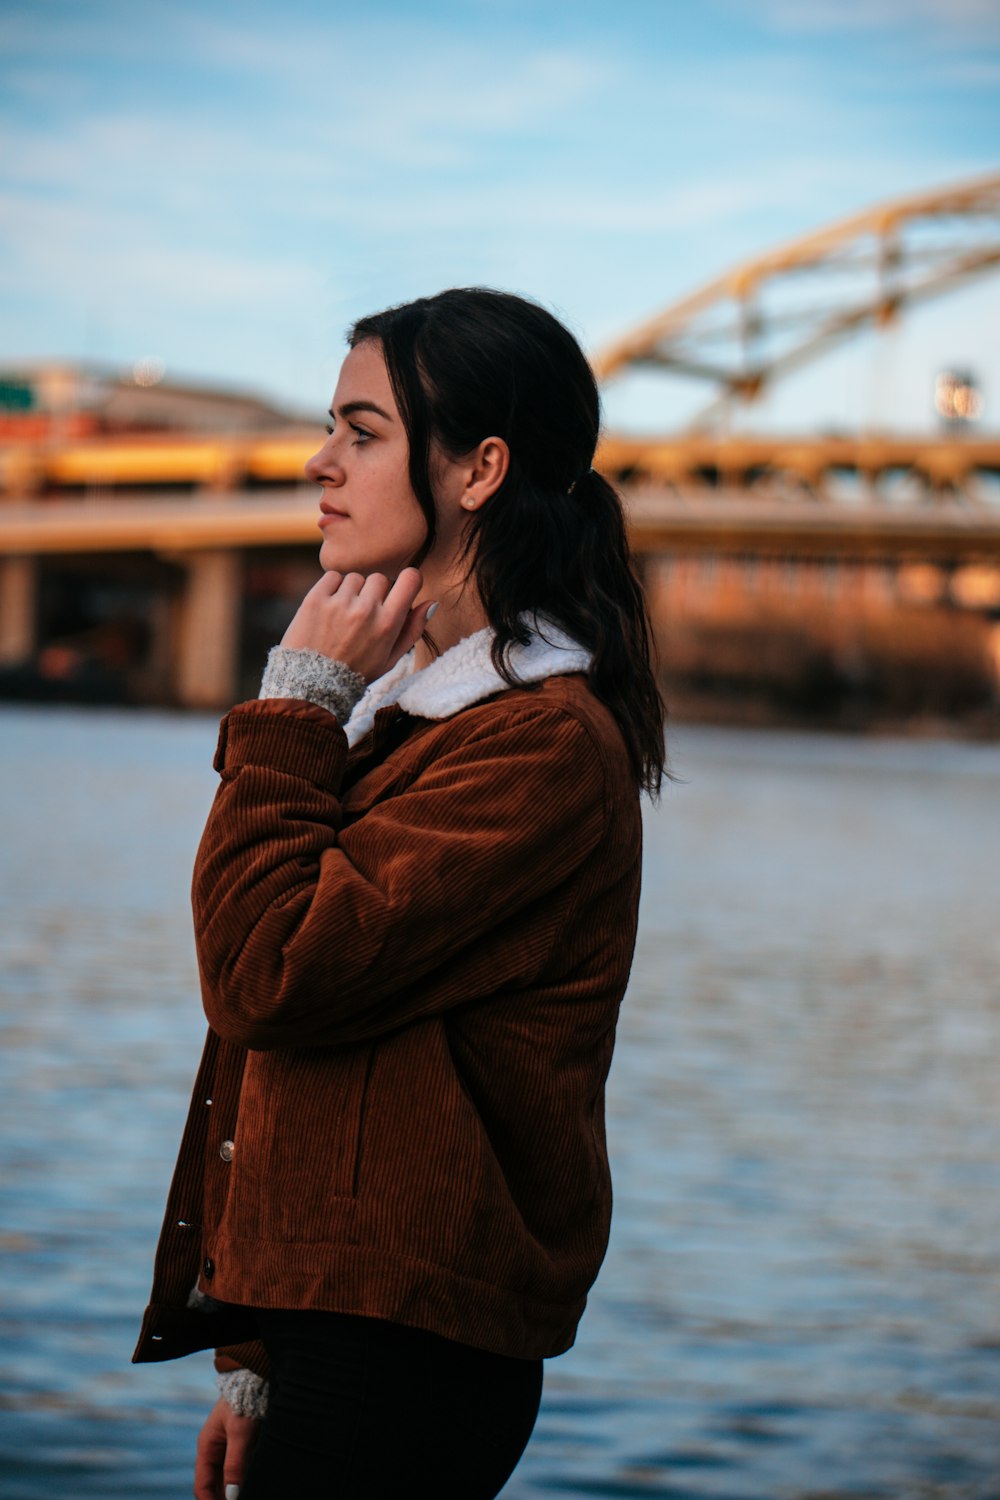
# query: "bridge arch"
770 315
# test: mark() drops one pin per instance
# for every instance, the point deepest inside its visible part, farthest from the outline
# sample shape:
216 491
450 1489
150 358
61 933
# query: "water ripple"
800 1300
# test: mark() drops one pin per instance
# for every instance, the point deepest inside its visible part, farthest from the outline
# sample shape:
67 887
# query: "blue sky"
227 186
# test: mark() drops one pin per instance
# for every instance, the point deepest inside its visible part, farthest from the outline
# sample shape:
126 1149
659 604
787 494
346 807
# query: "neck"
459 613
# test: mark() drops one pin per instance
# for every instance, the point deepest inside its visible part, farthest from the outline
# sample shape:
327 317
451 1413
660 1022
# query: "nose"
324 466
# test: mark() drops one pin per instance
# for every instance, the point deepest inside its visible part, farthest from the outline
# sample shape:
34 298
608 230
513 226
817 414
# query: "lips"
328 515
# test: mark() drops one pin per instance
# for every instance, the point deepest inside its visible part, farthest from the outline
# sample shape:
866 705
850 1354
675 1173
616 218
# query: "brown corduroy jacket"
412 958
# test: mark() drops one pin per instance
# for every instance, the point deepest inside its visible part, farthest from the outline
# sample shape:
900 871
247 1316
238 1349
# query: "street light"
957 398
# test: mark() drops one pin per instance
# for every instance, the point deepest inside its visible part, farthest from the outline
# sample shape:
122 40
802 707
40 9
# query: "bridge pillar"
993 651
209 630
18 608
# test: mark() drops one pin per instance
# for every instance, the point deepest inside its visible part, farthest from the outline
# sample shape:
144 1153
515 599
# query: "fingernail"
430 615
232 1492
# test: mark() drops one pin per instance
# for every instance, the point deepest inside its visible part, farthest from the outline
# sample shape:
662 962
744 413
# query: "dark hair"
472 363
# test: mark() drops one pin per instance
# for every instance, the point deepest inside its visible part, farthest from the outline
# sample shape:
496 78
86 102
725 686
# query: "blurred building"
49 400
156 536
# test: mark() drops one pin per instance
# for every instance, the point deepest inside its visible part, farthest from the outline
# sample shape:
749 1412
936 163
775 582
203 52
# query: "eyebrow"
350 407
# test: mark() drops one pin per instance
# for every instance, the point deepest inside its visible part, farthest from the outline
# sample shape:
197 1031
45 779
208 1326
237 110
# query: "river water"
802 1295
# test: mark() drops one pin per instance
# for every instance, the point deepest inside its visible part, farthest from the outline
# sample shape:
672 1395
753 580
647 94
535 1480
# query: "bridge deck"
658 522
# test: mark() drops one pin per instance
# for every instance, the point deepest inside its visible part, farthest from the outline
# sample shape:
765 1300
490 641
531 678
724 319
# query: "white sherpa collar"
465 674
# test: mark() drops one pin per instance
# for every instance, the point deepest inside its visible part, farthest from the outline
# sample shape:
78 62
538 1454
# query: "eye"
361 434
329 429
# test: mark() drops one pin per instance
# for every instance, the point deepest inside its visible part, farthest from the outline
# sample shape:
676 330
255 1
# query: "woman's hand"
223 1450
365 622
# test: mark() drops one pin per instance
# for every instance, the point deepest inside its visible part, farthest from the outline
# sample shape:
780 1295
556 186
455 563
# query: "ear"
486 470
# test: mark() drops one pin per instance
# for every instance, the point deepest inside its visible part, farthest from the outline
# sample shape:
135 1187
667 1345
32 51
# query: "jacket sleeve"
249 1356
314 932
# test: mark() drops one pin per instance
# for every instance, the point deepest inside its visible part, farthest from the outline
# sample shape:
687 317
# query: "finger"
411 576
375 588
351 585
237 1457
413 628
209 1458
326 583
400 598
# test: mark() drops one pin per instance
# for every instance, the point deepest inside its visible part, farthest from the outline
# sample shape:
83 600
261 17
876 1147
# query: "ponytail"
573 567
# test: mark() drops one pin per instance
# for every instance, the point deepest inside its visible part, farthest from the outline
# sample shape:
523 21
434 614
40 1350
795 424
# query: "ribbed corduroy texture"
412 961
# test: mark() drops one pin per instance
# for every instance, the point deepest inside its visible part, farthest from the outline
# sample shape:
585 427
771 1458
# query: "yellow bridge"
692 492
197 504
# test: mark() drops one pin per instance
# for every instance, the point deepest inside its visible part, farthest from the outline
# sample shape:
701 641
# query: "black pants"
362 1408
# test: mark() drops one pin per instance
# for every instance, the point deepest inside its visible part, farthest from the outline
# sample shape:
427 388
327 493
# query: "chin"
334 560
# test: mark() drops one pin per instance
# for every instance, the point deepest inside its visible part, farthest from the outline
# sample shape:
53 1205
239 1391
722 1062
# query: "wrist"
300 672
243 1392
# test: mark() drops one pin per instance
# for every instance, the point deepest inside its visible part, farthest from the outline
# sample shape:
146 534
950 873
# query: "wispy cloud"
960 20
971 72
231 185
125 258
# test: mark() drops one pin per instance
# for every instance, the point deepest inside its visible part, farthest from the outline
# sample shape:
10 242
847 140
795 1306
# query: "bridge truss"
769 316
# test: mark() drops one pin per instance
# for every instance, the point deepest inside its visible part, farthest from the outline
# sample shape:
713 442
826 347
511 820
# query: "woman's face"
370 518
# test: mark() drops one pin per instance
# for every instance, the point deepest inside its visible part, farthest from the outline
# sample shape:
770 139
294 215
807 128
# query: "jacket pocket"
297 1151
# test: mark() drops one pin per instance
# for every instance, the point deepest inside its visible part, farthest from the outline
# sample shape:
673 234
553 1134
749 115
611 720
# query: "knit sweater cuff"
245 1392
294 672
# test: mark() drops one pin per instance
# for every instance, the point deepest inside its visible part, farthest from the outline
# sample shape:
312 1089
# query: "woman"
415 904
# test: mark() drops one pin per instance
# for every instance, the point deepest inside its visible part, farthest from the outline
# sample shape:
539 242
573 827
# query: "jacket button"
226 1150
208 1268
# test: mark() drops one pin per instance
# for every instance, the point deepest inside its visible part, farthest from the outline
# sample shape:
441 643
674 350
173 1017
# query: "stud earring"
469 503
